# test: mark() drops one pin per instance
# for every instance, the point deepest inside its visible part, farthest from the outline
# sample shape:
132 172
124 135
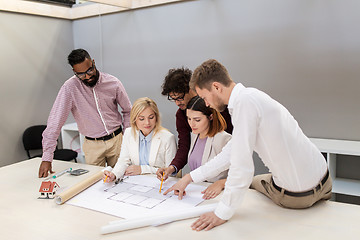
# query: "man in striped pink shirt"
93 98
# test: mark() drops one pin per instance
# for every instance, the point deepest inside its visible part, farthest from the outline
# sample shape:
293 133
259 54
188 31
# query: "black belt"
302 194
107 137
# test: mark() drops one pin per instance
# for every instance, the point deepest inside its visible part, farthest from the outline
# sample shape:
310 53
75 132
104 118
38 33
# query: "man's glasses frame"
89 72
181 98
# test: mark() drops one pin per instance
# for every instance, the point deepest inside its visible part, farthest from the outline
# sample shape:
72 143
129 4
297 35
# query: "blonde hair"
139 106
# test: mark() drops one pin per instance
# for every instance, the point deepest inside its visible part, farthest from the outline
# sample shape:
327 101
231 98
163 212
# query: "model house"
48 189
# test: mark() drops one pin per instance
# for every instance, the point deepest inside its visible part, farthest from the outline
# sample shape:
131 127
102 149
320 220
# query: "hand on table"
207 221
179 187
214 189
44 169
133 170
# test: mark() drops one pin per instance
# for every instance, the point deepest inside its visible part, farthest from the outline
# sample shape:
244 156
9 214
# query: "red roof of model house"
48 186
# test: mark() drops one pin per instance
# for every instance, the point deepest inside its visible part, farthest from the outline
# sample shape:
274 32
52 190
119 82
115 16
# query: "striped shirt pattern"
95 110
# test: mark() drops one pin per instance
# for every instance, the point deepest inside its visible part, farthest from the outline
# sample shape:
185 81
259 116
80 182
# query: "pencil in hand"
162 180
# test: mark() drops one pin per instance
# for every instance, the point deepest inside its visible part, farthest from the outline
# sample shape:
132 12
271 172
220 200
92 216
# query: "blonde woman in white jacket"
146 146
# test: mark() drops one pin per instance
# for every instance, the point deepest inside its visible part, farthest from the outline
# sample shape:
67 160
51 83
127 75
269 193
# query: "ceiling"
81 9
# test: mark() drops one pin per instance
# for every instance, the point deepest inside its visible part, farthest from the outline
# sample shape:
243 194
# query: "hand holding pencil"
108 176
164 173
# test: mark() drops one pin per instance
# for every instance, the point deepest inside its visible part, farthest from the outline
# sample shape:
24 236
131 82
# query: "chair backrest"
32 138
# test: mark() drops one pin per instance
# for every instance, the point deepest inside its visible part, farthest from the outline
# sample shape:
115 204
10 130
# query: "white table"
23 216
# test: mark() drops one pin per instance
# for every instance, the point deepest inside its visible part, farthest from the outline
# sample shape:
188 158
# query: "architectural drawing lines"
137 195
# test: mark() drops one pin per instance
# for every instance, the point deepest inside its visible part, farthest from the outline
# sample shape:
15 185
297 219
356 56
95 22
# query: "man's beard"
92 81
221 107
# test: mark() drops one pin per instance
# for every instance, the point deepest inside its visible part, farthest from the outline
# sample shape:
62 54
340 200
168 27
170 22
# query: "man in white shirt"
299 176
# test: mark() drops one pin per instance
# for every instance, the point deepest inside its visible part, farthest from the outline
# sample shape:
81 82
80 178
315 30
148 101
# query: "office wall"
33 67
304 53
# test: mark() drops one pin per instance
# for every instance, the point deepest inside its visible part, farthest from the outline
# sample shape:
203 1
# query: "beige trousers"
99 152
263 183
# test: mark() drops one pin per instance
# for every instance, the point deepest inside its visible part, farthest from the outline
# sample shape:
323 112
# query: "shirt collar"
235 92
100 78
147 138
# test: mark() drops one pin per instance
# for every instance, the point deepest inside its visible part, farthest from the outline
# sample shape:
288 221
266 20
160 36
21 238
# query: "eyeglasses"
89 72
181 98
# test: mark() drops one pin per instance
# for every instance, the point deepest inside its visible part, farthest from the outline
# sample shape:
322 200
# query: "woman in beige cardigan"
207 140
146 146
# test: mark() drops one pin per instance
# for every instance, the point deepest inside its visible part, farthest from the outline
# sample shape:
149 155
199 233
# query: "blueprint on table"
136 196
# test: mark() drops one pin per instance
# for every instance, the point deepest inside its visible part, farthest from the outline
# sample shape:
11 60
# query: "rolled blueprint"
122 225
77 188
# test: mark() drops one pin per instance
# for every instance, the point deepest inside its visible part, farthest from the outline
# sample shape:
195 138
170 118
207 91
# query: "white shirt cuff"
224 212
197 176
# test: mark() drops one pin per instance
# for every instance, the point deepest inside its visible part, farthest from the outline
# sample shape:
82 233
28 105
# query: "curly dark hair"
177 81
78 56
